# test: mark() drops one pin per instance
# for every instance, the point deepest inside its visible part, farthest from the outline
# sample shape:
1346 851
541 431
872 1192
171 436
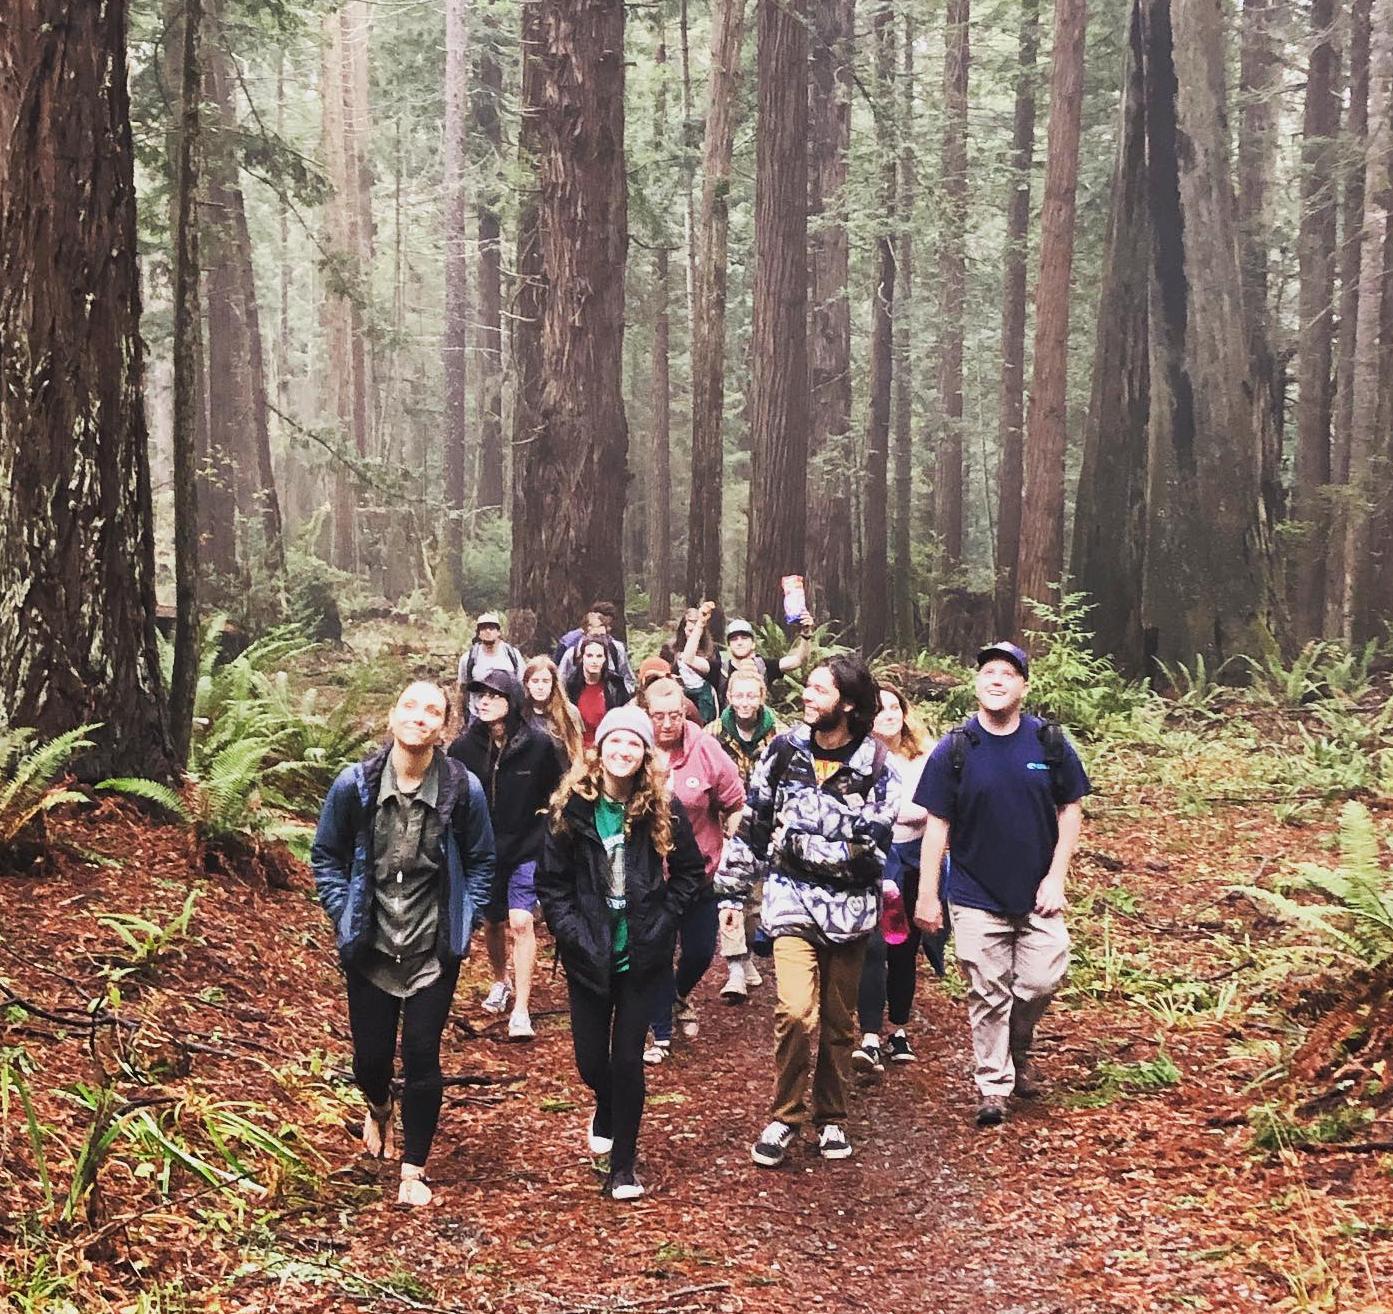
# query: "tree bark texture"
1015 259
1109 548
77 561
832 561
488 98
1316 259
779 343
709 313
1209 582
184 678
1367 445
455 362
658 545
952 273
576 462
1259 84
1041 566
874 612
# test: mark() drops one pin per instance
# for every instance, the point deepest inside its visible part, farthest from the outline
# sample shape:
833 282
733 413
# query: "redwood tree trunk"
709 317
489 333
902 573
779 387
1042 509
829 350
658 545
576 463
449 578
1015 257
77 559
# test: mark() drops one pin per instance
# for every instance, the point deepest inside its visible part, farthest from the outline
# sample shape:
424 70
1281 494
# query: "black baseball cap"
497 680
1013 653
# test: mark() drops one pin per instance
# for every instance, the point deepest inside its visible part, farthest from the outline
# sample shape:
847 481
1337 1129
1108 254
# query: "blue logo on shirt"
1037 766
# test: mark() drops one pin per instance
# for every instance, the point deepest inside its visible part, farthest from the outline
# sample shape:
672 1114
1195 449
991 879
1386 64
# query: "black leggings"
889 969
608 1033
372 1017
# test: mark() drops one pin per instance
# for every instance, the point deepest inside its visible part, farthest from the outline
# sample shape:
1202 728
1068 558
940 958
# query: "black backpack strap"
960 739
1051 736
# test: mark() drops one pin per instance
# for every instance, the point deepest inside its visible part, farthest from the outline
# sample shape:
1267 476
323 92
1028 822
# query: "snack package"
795 598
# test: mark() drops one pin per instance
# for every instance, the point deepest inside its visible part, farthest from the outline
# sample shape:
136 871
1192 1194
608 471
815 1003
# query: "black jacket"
518 784
573 878
616 691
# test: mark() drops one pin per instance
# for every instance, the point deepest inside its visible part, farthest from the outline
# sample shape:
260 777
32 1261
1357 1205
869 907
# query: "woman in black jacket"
619 868
594 686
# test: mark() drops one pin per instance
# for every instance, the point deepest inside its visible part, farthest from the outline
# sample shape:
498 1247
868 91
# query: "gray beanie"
629 717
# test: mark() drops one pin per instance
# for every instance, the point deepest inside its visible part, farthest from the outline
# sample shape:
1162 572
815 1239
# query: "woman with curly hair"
548 707
619 867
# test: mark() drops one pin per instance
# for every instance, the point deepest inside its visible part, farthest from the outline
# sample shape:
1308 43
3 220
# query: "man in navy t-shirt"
1010 822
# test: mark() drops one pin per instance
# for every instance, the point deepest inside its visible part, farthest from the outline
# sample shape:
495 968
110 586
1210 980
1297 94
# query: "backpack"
514 660
761 665
783 755
1051 736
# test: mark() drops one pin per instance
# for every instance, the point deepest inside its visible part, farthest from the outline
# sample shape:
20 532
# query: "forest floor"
1155 1176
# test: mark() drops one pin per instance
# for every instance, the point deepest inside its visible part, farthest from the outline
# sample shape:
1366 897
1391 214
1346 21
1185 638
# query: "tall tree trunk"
658 547
488 98
829 350
576 463
356 25
779 387
1047 426
874 584
1351 245
1381 511
183 683
449 580
952 271
902 574
529 301
1015 258
1316 255
77 554
709 317
688 151
1110 511
1367 445
1209 584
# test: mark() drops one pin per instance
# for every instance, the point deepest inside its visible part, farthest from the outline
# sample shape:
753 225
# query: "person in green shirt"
619 867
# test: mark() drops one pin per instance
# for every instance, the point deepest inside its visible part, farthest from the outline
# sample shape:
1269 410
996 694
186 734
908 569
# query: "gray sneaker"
500 995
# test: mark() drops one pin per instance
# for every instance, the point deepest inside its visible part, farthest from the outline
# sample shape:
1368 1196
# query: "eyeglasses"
665 717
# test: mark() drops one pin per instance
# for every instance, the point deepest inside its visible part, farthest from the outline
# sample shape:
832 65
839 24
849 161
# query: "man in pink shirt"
702 775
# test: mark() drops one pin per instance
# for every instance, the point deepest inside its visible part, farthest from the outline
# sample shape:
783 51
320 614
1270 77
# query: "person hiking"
598 623
620 867
519 766
594 687
744 730
695 662
403 858
818 817
548 707
1009 818
706 781
488 652
888 975
740 652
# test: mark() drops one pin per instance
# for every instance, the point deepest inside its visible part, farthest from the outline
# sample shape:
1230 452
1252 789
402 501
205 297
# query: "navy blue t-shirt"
1002 817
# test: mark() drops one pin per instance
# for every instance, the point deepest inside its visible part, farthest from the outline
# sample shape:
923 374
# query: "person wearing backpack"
1003 795
740 652
488 652
817 823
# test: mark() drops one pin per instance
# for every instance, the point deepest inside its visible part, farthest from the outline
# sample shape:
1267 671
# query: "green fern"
150 791
1358 919
27 774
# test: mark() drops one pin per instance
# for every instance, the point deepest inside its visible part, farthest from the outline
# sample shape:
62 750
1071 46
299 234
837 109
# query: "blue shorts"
514 890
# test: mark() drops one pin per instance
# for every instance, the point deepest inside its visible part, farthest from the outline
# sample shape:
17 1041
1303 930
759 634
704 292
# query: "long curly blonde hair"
559 713
586 779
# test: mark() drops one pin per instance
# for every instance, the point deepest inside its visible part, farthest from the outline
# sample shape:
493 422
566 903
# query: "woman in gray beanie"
619 867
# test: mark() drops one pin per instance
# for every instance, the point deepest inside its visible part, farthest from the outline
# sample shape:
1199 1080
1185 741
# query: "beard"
825 721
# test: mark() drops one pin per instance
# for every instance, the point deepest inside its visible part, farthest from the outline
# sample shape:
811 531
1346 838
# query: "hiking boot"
658 1051
991 1112
624 1185
832 1143
1028 1084
771 1148
866 1059
595 1141
685 1015
898 1045
520 1026
734 991
500 995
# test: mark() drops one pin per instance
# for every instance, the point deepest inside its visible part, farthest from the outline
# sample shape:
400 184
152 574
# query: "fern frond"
150 791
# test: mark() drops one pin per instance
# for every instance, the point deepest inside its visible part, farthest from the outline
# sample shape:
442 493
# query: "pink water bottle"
894 923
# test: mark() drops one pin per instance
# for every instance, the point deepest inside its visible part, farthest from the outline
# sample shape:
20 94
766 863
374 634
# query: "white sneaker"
734 991
685 1015
773 1143
500 995
752 976
832 1143
595 1143
625 1186
520 1026
413 1189
658 1051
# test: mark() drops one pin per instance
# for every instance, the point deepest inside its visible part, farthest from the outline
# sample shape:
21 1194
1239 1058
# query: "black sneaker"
991 1112
772 1146
900 1052
867 1061
623 1185
832 1143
